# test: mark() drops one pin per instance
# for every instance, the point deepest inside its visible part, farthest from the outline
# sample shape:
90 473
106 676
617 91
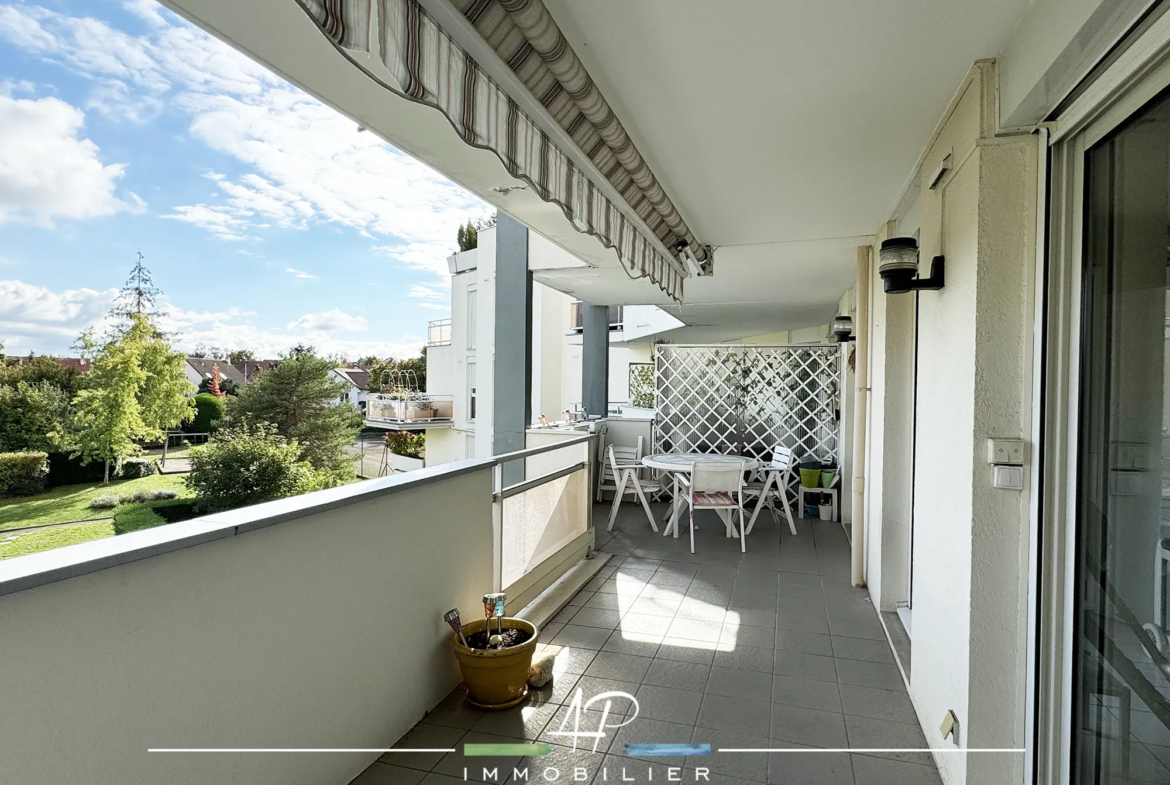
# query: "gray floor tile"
748 658
638 644
678 675
566 615
862 649
384 774
605 602
569 659
806 693
584 637
582 598
870 674
440 779
645 623
744 598
622 667
423 736
855 628
454 712
738 715
596 617
525 721
881 771
805 666
736 683
754 617
674 580
804 642
877 704
685 651
656 606
798 579
804 620
809 768
736 635
808 726
696 609
667 703
866 733
710 591
693 629
592 685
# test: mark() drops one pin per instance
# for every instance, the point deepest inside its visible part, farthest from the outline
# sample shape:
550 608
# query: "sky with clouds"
265 217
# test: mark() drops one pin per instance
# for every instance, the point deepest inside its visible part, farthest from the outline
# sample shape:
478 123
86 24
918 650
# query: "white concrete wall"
322 631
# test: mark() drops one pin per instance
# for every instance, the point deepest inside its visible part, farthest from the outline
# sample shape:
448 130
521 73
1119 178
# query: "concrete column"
512 377
595 359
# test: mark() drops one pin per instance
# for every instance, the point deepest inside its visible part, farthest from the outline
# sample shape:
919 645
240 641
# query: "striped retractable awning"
428 66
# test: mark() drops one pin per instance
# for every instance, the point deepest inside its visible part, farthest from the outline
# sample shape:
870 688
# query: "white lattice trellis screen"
745 400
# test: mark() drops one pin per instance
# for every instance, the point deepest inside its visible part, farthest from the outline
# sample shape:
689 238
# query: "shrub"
23 473
136 468
209 410
64 469
150 496
410 445
248 465
107 502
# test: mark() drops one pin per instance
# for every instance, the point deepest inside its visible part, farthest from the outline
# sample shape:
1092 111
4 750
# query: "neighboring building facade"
358 385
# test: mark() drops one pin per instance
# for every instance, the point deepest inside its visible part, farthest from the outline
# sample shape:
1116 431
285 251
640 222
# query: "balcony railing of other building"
410 410
313 622
439 332
577 316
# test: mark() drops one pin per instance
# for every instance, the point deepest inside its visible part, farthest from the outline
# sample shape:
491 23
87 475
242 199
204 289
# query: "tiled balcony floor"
772 649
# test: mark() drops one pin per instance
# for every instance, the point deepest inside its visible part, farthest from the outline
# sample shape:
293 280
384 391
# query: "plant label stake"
452 618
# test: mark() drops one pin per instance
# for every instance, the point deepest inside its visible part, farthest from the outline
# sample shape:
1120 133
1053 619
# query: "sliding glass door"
1121 610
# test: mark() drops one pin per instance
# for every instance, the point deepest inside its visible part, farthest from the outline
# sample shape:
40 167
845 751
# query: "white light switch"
1007 451
1009 477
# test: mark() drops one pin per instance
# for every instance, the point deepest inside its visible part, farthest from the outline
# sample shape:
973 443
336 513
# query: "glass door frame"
1129 83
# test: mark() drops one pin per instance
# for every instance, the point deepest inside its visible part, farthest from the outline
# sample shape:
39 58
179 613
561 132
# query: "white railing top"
38 569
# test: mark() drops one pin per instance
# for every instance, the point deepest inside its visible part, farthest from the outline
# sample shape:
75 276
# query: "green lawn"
13 545
70 502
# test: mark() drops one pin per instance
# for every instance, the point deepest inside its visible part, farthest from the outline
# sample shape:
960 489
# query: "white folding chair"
777 475
608 480
628 481
717 486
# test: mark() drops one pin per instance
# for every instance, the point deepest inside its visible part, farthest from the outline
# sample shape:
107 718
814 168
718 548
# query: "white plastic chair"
628 481
608 479
716 486
777 475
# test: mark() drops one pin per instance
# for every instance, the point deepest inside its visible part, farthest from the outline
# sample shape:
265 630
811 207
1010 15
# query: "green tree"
209 411
34 417
299 399
86 344
241 355
249 465
467 237
136 391
34 370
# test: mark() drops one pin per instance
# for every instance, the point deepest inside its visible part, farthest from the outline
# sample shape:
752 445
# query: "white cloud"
28 309
35 318
425 292
299 273
335 320
311 164
148 10
218 220
434 306
47 171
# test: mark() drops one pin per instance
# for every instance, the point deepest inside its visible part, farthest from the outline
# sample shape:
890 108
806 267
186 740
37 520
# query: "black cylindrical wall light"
898 267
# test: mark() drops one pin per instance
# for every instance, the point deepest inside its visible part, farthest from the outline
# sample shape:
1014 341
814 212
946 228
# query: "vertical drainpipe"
860 410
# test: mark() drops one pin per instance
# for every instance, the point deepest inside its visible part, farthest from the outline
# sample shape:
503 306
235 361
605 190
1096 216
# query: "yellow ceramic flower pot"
496 678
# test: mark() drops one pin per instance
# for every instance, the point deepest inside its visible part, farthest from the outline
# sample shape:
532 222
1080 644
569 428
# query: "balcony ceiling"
780 121
784 132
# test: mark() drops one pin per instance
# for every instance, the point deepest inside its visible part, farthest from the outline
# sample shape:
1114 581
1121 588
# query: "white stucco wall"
321 631
973 382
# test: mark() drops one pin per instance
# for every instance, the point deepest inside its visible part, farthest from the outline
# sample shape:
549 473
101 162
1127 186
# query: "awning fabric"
426 65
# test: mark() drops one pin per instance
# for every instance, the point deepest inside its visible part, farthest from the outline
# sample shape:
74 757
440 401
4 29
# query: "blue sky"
265 217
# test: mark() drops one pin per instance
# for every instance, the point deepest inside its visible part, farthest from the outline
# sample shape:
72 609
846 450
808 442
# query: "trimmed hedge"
136 469
67 470
23 473
209 410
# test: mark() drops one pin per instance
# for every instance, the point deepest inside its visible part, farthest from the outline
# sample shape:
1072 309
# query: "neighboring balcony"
577 317
409 411
439 332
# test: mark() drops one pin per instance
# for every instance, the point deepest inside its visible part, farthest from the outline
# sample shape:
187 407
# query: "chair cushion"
713 499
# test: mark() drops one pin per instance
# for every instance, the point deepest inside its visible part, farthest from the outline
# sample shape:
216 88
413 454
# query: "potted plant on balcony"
494 655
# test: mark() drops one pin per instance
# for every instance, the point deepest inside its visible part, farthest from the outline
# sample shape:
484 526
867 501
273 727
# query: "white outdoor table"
680 463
